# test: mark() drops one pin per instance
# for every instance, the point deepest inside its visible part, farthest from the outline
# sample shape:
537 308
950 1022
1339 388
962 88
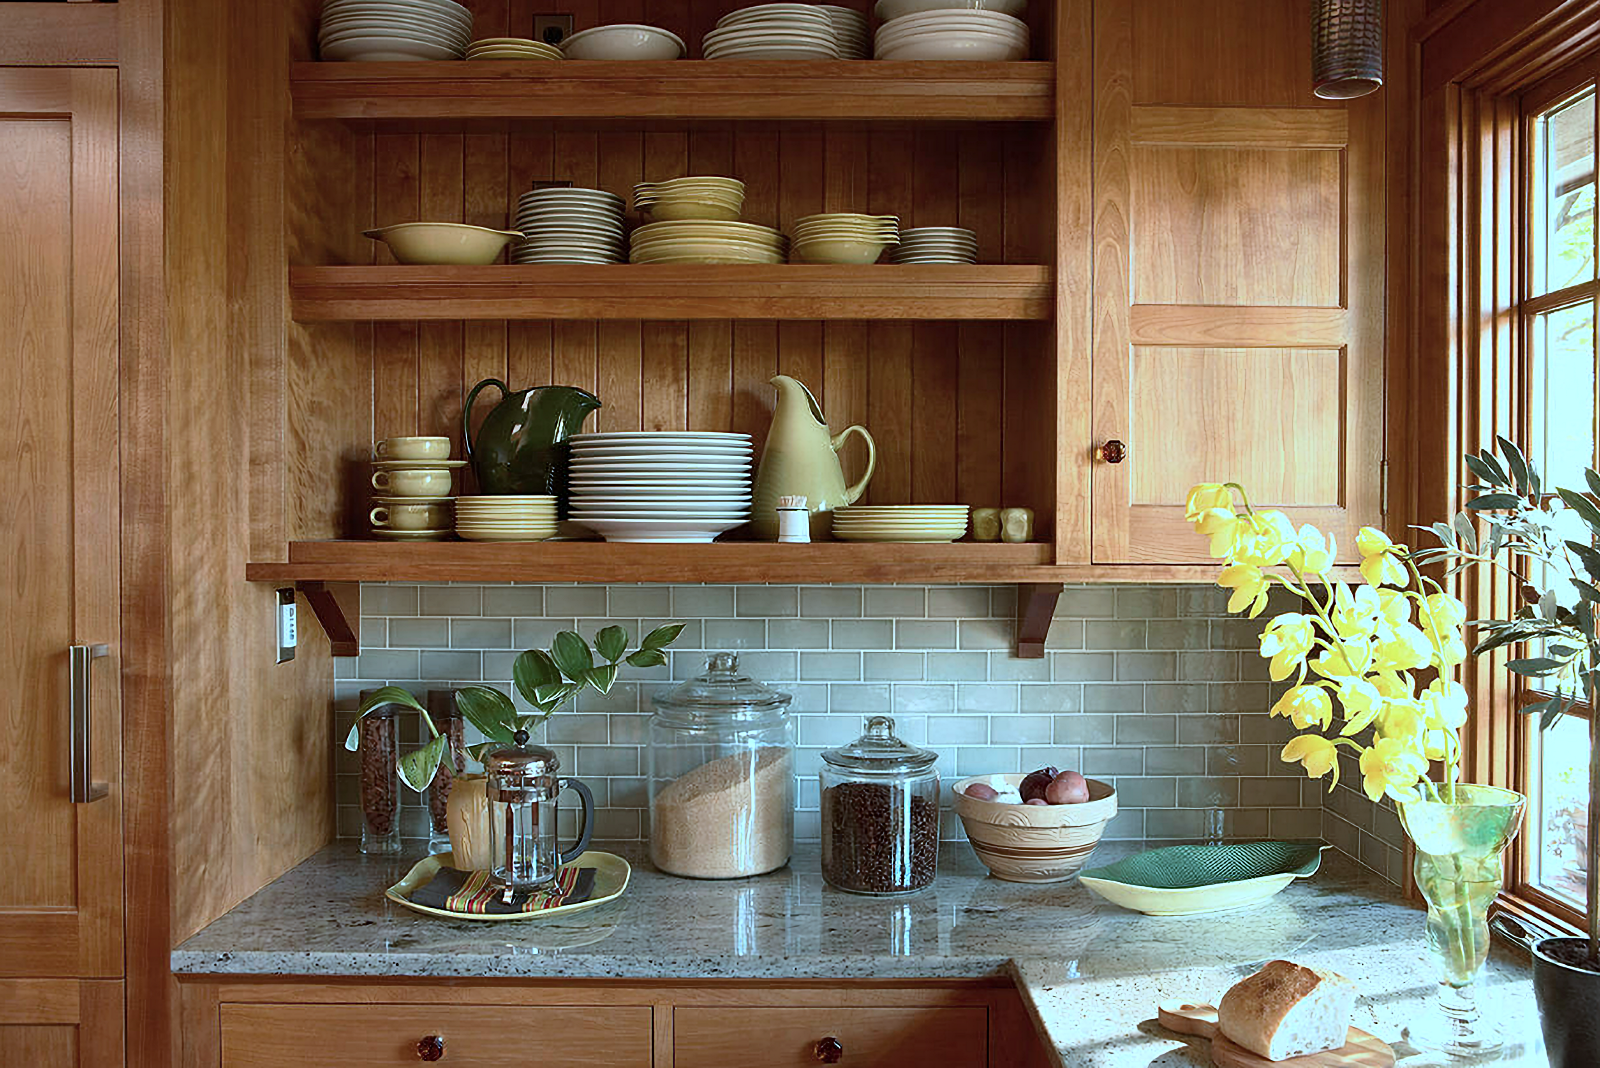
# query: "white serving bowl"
385 50
443 242
624 41
976 48
887 10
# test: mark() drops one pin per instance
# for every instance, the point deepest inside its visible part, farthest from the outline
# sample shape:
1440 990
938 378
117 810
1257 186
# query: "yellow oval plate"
611 874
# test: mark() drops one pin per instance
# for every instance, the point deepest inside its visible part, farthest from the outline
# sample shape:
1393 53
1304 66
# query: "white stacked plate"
384 30
520 49
773 31
850 32
673 486
935 244
901 522
707 241
893 9
509 517
989 36
566 225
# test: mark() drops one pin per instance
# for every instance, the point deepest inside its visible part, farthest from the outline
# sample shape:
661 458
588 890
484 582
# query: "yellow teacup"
411 516
413 482
412 449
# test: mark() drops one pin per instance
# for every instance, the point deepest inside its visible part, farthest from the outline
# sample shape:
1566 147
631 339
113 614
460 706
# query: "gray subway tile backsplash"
1155 688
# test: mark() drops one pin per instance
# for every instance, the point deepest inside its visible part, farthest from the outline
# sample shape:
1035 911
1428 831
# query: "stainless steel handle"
82 658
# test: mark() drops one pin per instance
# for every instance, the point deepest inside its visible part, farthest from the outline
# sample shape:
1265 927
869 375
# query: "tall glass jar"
880 814
379 754
721 774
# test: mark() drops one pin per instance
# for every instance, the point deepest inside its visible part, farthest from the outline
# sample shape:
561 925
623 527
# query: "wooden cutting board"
1361 1050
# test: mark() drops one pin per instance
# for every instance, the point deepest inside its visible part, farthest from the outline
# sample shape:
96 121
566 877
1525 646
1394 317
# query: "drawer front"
378 1036
780 1038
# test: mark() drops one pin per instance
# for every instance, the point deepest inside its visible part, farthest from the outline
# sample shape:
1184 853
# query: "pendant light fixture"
1346 48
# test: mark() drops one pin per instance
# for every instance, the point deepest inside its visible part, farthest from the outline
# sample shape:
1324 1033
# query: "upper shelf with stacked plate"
696 223
788 31
675 486
935 244
975 35
389 30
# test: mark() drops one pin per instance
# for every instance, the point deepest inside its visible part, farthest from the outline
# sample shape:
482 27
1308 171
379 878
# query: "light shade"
1346 48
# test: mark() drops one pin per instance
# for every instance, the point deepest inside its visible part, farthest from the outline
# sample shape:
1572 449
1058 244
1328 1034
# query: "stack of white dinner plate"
669 486
849 31
569 226
707 241
514 48
380 30
990 36
893 9
506 518
935 244
774 31
901 522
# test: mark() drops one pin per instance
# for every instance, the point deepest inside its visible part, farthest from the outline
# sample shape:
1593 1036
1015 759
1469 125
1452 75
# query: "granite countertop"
1090 972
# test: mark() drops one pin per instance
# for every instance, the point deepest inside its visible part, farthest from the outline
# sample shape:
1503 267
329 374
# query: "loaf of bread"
1286 1010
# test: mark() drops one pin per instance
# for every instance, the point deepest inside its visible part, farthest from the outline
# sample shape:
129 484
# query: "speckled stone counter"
1091 972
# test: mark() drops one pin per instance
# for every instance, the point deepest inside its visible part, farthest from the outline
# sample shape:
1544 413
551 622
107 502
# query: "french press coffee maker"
522 788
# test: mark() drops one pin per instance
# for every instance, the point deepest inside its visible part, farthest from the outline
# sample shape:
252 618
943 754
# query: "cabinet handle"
431 1048
829 1050
1113 452
80 658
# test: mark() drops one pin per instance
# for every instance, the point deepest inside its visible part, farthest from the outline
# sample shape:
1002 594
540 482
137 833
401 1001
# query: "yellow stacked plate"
691 198
506 518
842 237
514 48
901 522
707 241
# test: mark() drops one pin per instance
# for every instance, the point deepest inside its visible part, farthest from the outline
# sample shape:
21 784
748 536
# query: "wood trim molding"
1241 127
60 35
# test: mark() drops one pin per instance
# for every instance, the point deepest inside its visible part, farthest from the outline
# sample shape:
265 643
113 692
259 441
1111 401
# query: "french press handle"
586 831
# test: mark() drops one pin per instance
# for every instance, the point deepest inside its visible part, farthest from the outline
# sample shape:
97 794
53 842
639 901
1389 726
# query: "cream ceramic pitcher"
802 459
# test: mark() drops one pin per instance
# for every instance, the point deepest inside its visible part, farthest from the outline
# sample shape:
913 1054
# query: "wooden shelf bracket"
1036 610
337 606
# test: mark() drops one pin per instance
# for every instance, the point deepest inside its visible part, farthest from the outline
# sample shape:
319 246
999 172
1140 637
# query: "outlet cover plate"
552 29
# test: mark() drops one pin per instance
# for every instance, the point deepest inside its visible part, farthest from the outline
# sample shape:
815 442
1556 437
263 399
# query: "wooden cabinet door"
61 1023
1239 277
61 892
764 1037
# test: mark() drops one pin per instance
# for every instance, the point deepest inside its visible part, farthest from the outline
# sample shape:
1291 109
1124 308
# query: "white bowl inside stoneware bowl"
1034 843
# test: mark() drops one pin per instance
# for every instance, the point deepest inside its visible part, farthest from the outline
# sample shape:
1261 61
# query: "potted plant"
1550 554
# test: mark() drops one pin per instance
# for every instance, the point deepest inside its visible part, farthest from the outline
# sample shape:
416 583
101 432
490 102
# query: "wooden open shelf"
686 89
673 292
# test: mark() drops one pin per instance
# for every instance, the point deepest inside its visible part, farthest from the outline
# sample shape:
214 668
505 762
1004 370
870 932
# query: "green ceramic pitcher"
521 447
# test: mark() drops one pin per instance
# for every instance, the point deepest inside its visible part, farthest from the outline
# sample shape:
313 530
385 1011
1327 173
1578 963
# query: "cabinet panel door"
1238 272
61 905
761 1037
61 1023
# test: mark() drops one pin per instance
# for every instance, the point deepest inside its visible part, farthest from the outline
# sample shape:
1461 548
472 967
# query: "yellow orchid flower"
1264 540
1402 720
1370 541
1249 587
1318 754
1405 648
1362 704
1355 613
1286 641
1394 686
1444 703
1306 706
1446 612
1436 745
1378 563
1441 617
1313 552
1222 526
1392 767
1343 660
1206 497
1395 605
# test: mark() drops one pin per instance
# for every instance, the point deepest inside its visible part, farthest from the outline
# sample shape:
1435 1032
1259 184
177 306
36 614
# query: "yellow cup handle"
379 517
853 494
380 480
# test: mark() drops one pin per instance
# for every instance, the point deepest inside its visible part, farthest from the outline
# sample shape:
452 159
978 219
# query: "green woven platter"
1187 880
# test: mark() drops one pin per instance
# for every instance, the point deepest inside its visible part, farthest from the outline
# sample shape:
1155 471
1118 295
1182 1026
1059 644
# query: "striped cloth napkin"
478 893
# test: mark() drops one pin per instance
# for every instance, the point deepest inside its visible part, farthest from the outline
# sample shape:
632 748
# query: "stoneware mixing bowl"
443 242
1034 843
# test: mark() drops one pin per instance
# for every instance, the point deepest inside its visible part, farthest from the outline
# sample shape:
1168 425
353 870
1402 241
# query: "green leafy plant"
546 680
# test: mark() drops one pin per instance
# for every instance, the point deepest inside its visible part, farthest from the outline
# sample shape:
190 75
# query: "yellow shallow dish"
610 880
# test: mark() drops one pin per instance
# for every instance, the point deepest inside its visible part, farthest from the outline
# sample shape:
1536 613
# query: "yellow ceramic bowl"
674 210
1034 843
443 243
838 250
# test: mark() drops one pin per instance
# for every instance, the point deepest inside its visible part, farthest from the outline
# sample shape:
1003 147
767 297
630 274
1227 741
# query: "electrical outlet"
552 29
288 626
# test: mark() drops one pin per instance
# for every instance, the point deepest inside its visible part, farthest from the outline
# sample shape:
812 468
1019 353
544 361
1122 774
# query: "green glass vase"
1460 842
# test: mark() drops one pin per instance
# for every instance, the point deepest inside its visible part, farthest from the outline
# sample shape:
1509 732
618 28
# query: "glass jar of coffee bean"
880 814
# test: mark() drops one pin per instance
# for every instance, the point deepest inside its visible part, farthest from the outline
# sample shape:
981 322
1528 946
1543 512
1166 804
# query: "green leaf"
532 670
489 710
1592 477
602 678
1519 466
419 766
549 698
382 697
352 741
1587 591
1497 640
1586 509
572 655
483 749
647 658
1535 666
1445 533
1494 500
661 637
1565 652
1463 527
1589 555
1486 467
1549 717
611 643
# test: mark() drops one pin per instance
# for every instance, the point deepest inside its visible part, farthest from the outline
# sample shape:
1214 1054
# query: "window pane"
1564 190
1562 807
1561 425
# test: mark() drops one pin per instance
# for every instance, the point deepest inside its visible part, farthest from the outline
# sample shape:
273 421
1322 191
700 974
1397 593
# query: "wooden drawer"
734 1037
498 1036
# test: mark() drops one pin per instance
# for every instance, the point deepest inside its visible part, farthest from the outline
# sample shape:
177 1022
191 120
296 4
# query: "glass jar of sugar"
721 776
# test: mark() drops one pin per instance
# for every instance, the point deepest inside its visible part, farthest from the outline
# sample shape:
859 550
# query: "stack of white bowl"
990 36
707 241
514 48
901 522
849 32
624 41
690 198
843 237
380 30
671 486
935 244
510 517
566 225
893 9
774 31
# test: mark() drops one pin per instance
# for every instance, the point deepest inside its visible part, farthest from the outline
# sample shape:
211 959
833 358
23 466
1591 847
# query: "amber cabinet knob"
431 1048
829 1050
1113 452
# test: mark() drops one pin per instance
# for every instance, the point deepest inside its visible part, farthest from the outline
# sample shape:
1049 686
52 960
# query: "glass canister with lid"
880 813
721 776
